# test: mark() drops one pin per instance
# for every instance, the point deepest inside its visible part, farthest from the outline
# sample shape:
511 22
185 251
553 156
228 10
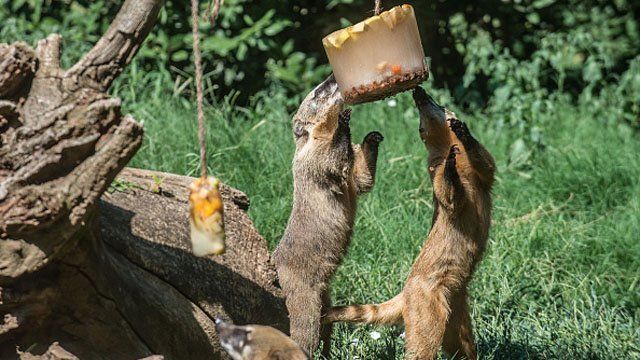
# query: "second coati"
329 172
256 342
433 303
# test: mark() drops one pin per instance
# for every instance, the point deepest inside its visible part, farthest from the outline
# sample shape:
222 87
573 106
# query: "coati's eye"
299 130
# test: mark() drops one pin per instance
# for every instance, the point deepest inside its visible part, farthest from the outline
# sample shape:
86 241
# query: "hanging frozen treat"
377 57
206 217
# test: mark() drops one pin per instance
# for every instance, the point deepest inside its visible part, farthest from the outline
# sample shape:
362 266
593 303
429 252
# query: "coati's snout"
429 110
434 131
318 114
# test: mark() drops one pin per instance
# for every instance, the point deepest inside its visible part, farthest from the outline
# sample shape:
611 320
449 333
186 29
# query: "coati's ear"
326 88
300 130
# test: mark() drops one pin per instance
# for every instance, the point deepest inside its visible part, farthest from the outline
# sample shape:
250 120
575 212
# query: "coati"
329 172
433 303
256 342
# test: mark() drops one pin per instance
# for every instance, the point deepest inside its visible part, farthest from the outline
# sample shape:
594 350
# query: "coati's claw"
460 129
345 116
374 137
453 151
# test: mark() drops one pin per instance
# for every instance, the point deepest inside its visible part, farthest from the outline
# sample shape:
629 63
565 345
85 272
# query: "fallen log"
130 286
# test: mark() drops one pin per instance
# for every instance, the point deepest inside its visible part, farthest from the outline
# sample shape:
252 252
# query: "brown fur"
256 342
328 173
433 304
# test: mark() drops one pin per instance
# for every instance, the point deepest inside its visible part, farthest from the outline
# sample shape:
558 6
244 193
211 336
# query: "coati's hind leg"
366 158
480 159
458 337
425 316
447 186
327 328
304 303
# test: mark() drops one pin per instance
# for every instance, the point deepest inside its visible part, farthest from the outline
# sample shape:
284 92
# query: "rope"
197 58
378 7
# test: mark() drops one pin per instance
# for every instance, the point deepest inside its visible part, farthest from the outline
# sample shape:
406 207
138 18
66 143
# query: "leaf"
591 72
17 4
539 4
533 18
276 27
241 54
180 55
334 3
262 45
502 94
37 11
345 22
287 48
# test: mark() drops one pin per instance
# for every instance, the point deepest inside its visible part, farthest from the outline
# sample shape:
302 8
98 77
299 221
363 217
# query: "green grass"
560 277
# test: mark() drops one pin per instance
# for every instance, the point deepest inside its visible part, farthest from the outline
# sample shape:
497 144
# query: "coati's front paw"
344 117
450 172
373 138
461 130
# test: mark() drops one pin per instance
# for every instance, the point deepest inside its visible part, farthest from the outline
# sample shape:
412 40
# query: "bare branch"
30 208
117 47
48 52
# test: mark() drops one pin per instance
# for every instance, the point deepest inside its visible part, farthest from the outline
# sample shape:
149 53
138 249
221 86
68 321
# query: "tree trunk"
113 278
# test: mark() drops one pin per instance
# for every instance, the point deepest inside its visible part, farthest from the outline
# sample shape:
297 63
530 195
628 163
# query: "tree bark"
129 286
113 278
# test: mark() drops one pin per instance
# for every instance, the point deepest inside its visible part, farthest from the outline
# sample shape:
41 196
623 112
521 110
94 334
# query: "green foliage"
523 50
620 102
119 185
81 22
579 59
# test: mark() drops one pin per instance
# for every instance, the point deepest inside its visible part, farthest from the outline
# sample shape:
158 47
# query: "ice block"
377 57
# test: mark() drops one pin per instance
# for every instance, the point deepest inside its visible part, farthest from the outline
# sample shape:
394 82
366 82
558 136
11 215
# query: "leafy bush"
581 59
512 58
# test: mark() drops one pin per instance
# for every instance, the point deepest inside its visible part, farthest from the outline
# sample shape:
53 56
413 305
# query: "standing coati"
433 303
328 174
256 342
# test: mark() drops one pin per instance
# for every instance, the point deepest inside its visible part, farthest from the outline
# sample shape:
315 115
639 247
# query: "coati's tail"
387 313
